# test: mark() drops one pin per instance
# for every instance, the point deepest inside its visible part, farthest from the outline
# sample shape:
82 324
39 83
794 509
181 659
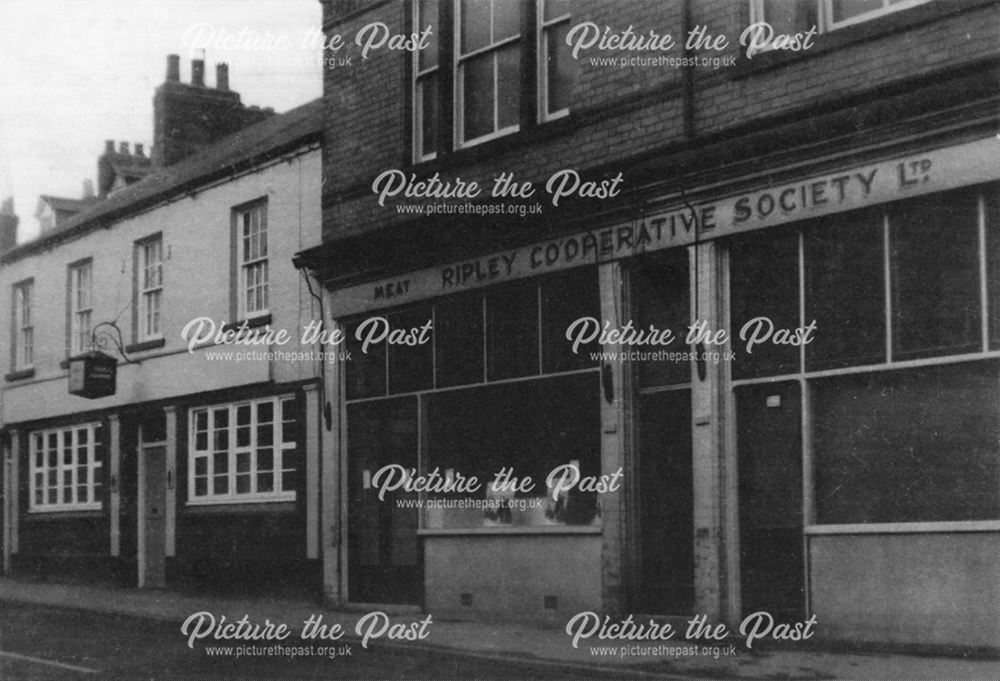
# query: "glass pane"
475 24
200 487
458 333
848 9
845 290
661 289
935 275
265 434
221 485
556 8
243 462
243 484
243 415
243 436
764 285
508 86
365 373
506 18
992 199
427 15
477 78
560 73
565 299
512 331
201 465
265 459
265 412
429 102
265 482
411 367
908 446
220 462
201 420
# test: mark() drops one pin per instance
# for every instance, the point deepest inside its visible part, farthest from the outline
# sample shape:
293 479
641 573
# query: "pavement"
537 645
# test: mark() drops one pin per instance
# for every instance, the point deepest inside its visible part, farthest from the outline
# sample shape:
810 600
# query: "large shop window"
499 388
66 469
919 445
244 451
530 428
503 66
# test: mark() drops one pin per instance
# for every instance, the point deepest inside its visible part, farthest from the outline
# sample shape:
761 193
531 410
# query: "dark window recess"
564 300
935 275
661 291
910 446
365 373
992 198
411 367
512 332
845 290
458 335
764 283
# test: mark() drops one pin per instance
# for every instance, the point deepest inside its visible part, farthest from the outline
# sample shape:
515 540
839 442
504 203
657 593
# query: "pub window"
411 367
764 283
81 304
252 260
528 427
917 445
458 340
243 451
23 328
565 299
149 280
512 331
935 275
845 290
65 470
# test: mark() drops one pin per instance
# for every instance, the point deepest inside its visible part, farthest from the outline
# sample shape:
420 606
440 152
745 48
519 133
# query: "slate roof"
241 150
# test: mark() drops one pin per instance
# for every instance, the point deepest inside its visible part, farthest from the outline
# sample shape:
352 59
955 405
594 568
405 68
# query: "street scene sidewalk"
545 647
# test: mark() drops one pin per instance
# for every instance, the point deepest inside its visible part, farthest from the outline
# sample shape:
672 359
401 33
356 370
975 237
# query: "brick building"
847 184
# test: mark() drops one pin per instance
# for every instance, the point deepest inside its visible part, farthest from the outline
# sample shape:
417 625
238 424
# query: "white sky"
73 74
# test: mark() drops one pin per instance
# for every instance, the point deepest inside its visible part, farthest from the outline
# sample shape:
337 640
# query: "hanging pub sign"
92 375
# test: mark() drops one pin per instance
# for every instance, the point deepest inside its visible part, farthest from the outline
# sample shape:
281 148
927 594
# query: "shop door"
666 505
153 567
770 488
384 558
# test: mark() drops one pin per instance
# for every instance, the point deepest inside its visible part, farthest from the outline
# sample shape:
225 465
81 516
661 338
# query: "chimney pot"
198 72
173 67
109 146
123 148
88 189
222 76
139 149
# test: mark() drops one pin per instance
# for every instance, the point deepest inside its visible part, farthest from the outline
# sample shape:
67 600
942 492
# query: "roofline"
106 220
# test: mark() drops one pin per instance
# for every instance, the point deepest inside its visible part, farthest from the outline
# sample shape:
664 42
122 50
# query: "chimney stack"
123 148
88 189
198 72
109 146
222 76
8 226
173 67
139 150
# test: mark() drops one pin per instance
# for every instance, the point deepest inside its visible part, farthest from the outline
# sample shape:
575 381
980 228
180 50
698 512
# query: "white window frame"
543 26
150 274
38 456
253 259
24 329
824 14
459 83
283 454
418 76
81 295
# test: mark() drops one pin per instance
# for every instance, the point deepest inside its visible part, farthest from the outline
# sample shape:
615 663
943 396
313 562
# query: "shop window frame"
94 466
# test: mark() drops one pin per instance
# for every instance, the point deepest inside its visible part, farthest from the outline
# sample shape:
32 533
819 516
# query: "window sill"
19 375
284 504
521 529
251 323
78 511
930 527
840 38
142 346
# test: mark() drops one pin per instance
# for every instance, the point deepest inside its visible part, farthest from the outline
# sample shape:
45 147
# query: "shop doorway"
384 563
769 446
666 504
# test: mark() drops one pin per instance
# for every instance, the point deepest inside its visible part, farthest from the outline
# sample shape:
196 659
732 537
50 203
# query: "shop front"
816 434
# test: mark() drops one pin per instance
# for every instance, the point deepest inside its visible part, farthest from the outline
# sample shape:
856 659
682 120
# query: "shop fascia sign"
797 199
